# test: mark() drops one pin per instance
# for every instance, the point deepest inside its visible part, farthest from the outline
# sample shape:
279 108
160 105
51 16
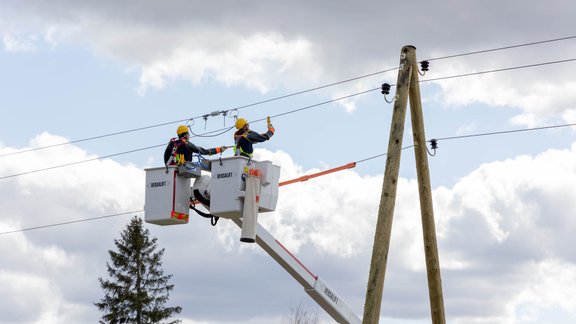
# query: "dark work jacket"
245 140
184 150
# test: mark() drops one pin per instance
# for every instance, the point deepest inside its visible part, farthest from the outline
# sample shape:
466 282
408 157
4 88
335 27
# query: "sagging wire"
213 135
214 113
234 114
433 145
189 125
300 92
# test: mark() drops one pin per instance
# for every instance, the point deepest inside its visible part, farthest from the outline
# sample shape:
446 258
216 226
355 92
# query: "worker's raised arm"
257 138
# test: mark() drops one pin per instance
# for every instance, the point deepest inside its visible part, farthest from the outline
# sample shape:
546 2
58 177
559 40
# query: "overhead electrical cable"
94 137
293 94
318 104
223 130
502 48
71 222
284 183
201 116
307 177
317 88
78 162
286 113
321 173
498 70
219 131
504 132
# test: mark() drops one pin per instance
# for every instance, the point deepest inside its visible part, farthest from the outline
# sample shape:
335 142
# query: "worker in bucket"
179 150
244 137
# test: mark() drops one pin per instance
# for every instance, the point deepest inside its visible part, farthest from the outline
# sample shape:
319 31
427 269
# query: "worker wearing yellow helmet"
244 137
179 150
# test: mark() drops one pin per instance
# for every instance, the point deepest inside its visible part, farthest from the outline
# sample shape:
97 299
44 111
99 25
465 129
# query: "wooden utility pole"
407 85
388 195
426 208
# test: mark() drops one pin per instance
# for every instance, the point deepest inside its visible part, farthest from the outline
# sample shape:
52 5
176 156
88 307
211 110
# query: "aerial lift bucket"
167 196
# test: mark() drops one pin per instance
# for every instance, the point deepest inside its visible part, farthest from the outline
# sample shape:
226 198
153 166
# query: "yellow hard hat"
182 129
240 123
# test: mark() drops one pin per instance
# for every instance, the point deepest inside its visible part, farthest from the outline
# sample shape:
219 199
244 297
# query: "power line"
291 95
317 88
500 70
319 104
380 155
503 48
139 211
222 130
70 222
225 112
357 162
505 132
78 162
94 137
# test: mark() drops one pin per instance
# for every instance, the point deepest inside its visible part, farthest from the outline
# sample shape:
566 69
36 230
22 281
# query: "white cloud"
504 235
12 43
509 220
541 94
54 268
253 61
251 45
505 230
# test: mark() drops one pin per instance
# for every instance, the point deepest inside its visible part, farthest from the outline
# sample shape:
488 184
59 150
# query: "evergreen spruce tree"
137 290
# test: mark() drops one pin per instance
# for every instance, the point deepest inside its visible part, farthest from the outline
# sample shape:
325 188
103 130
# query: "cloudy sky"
81 71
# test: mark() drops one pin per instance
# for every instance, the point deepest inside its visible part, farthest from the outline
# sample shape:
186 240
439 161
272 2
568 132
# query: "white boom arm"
322 294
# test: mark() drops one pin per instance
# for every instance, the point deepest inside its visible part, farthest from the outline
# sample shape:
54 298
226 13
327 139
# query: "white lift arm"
322 294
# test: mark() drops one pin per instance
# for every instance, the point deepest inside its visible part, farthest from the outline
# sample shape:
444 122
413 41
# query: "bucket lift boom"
167 203
319 290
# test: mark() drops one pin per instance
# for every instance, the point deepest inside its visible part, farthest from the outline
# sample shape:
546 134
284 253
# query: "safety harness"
174 156
238 149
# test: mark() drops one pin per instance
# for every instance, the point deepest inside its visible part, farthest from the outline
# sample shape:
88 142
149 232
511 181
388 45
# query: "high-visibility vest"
238 149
